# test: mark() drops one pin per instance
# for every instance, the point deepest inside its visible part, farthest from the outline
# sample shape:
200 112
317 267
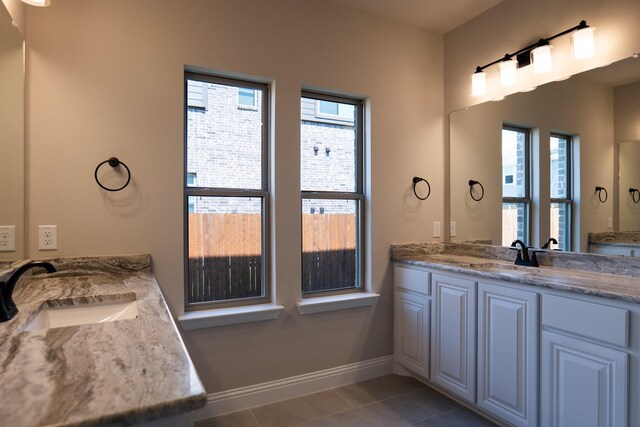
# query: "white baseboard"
241 398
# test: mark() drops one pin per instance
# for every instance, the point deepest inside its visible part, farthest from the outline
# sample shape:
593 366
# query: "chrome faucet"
8 308
522 258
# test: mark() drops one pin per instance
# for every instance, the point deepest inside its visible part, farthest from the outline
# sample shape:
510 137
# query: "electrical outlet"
436 229
452 229
7 238
610 223
47 237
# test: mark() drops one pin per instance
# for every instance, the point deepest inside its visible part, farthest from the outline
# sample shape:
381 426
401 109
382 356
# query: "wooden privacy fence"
225 254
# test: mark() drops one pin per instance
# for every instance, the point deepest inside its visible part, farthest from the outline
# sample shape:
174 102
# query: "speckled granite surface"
612 277
615 236
623 238
121 372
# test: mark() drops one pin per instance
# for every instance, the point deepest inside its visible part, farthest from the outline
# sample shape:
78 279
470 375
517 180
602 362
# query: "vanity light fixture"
508 71
39 3
538 53
583 44
541 58
478 82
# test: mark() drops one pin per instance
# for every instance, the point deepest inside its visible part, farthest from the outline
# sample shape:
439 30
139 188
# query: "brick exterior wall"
224 151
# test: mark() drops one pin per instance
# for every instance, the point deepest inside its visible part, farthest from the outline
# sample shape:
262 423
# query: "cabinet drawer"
412 279
599 322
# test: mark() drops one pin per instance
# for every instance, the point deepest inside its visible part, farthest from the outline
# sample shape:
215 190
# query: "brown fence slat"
225 254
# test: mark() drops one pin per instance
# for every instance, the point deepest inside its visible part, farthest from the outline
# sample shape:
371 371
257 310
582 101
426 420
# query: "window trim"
263 193
526 199
568 199
358 194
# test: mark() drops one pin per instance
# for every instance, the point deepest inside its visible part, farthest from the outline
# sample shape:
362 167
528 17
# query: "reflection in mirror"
11 140
574 126
629 206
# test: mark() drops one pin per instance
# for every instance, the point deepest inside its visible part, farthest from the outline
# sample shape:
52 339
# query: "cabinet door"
582 384
411 332
453 339
507 353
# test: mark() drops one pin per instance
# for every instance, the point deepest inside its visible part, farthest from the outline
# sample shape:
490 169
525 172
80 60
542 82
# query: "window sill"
336 302
229 316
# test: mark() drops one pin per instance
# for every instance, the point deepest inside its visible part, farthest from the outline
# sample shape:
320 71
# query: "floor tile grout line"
254 417
361 406
343 397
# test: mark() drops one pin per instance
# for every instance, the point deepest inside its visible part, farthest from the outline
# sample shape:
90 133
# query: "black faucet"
551 240
522 258
8 308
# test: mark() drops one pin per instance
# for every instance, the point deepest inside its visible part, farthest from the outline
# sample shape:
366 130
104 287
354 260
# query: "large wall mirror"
11 138
540 156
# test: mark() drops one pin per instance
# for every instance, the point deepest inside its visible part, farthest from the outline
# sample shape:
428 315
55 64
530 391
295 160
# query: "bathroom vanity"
128 367
557 345
625 243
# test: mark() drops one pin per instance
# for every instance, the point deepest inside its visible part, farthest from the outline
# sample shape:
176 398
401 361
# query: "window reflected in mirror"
516 201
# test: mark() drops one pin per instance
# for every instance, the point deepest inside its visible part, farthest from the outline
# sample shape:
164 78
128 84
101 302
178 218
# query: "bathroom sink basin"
57 317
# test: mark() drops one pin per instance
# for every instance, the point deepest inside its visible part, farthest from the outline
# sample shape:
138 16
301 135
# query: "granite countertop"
119 372
577 273
615 238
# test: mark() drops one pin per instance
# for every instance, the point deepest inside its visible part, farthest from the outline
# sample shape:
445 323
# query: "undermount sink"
58 317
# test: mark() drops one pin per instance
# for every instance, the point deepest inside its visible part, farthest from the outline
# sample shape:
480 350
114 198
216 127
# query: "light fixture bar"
523 55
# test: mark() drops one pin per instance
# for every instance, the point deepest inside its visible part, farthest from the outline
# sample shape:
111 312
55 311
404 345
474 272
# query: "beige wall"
105 79
17 10
572 107
11 132
627 134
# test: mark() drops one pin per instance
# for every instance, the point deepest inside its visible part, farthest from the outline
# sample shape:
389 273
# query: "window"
516 199
334 110
247 98
227 206
332 196
561 202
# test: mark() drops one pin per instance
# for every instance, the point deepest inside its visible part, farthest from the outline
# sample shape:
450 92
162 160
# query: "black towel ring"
416 180
471 184
633 192
599 190
114 163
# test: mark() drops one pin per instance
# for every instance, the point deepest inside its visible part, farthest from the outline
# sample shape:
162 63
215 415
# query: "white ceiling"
438 16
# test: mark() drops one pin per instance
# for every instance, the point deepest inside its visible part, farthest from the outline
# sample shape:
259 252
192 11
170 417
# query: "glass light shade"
39 3
541 58
583 43
508 72
478 84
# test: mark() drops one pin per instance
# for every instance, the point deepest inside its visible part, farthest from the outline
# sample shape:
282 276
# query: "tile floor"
389 401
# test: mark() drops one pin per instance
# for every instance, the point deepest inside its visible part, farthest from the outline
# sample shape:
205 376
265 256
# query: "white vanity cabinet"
618 249
584 366
508 353
411 317
453 335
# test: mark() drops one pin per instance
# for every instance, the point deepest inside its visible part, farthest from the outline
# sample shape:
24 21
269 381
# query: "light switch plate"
7 238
